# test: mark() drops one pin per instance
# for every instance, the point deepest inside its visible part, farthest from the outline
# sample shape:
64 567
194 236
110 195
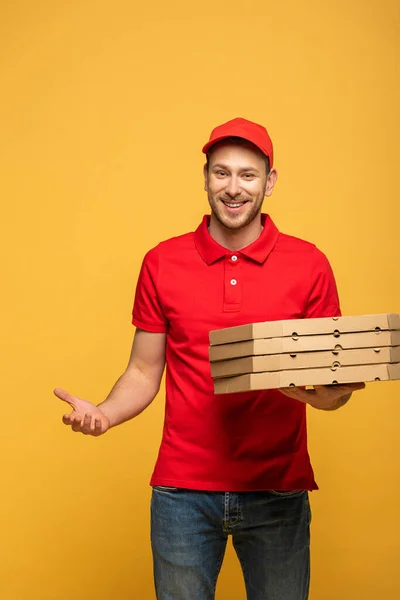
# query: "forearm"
131 394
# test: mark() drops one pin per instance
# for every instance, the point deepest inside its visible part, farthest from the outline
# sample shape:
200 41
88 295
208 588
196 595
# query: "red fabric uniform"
190 285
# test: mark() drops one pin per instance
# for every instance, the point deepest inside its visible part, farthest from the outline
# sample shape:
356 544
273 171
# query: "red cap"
256 134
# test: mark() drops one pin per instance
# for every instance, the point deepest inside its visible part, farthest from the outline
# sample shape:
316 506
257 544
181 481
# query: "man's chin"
233 222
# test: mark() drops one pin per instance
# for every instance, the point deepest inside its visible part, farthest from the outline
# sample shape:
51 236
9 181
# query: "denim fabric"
270 532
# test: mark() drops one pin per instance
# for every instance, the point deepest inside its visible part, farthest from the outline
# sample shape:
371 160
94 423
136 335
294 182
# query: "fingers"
72 419
355 386
76 423
87 420
97 427
297 393
87 425
67 419
340 389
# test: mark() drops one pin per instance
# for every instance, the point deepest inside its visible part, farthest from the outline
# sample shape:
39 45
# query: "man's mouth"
234 205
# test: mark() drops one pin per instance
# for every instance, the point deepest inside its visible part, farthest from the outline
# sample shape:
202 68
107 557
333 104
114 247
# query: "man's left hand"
324 397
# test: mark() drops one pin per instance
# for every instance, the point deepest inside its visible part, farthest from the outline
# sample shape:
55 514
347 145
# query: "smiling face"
236 182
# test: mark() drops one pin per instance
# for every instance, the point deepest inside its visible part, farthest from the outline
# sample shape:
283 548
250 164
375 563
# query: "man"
235 464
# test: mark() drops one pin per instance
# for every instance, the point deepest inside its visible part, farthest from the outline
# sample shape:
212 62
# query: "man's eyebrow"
220 166
243 170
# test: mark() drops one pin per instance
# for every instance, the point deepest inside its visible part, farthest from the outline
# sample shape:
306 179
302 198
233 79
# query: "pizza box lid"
305 343
307 377
304 360
298 327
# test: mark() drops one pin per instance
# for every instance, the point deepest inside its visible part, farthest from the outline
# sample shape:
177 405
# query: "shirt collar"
210 250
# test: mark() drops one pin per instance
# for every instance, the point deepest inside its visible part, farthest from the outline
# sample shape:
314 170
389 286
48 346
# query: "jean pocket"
286 493
164 488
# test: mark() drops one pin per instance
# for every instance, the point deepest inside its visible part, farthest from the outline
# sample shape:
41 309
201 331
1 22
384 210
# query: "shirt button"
234 258
233 282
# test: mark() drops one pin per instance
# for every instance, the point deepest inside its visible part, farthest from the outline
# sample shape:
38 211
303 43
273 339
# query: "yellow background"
104 108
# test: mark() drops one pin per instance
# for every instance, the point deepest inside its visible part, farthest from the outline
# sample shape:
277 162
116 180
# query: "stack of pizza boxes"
305 352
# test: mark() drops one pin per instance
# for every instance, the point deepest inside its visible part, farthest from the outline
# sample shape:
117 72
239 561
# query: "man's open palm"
85 417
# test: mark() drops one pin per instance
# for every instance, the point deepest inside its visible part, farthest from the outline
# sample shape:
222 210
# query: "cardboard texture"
304 377
297 327
304 360
307 343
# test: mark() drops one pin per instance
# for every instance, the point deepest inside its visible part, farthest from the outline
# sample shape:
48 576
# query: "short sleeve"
323 299
147 311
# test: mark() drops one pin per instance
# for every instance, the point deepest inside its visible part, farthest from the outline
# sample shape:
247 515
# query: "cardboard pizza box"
305 343
304 360
297 327
305 377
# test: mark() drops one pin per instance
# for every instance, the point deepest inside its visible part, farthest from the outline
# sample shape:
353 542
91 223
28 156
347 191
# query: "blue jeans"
270 533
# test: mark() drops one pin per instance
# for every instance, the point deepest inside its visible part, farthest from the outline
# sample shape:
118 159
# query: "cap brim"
206 148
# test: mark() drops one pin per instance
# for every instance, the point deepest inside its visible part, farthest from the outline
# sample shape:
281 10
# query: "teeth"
234 205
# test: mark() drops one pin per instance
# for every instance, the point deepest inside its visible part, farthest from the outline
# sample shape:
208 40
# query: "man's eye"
221 173
249 175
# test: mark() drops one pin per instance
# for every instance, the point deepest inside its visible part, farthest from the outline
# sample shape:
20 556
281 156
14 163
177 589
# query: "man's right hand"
85 417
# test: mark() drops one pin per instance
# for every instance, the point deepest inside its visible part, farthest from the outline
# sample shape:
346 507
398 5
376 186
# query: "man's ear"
205 173
271 181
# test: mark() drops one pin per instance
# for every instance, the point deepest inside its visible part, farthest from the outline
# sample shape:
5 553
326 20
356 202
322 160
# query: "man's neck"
235 239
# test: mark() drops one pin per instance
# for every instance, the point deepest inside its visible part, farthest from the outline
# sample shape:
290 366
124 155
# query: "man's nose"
233 187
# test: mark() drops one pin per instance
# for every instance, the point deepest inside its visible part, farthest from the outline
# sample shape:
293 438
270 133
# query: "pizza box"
305 343
297 327
304 360
305 377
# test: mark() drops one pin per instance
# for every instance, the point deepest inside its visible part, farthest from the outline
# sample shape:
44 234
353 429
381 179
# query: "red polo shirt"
190 285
